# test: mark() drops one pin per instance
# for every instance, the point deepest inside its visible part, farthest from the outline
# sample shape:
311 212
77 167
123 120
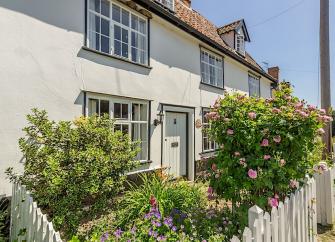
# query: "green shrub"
267 147
169 194
73 169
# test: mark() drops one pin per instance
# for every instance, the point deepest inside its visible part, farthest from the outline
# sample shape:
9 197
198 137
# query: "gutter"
170 17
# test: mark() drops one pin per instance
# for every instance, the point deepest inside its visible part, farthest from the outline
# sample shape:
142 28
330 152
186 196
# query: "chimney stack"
274 72
187 2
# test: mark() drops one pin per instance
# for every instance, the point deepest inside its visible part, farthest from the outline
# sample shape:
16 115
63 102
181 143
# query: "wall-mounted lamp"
159 119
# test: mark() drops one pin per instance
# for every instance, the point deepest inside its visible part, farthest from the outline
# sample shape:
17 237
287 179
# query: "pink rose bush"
267 147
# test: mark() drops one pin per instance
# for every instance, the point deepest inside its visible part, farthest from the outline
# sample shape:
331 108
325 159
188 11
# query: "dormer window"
167 3
240 46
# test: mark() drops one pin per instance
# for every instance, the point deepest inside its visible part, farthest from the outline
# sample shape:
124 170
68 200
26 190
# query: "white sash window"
117 30
211 69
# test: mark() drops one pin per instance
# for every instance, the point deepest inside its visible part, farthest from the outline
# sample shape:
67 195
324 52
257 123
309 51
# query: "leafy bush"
170 195
74 168
266 146
4 219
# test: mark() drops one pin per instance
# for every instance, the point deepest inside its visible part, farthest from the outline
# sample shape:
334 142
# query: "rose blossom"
322 111
252 174
252 115
237 154
299 105
273 202
282 162
294 184
265 143
311 107
230 131
277 139
214 167
267 157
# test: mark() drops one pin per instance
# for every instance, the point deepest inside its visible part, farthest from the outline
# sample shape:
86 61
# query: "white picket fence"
28 223
295 220
325 197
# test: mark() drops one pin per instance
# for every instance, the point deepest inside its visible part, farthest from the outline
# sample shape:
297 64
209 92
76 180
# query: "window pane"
144 112
125 128
125 50
105 44
95 5
117 32
125 17
142 26
125 111
104 107
116 13
135 112
134 22
117 47
94 22
134 55
125 35
117 110
105 7
93 107
135 132
104 27
117 127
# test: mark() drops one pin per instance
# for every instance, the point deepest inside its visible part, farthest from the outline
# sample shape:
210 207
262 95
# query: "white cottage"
153 66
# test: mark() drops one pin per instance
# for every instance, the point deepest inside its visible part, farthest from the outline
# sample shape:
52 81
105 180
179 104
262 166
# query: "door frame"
190 156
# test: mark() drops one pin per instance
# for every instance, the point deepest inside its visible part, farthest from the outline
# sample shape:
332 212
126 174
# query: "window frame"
242 43
216 147
164 5
129 101
253 77
111 37
216 56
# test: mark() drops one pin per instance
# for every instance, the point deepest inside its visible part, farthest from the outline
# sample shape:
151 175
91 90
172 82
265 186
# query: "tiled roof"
207 28
229 27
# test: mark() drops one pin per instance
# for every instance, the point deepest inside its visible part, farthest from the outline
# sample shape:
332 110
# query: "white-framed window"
240 45
117 30
211 68
254 86
208 145
167 3
131 117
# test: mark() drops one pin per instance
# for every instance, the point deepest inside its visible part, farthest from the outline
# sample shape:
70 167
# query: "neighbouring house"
153 66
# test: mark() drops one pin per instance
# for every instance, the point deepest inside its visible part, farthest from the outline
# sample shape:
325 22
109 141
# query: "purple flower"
118 233
156 223
104 237
150 233
161 238
168 222
174 228
133 229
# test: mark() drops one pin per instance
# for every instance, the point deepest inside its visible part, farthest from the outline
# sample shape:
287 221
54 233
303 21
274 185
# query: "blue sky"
290 40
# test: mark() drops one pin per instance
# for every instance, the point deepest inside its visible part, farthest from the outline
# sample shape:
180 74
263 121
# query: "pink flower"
265 143
273 202
267 157
277 139
322 111
282 162
299 105
326 118
252 174
276 110
294 184
252 115
237 154
214 167
321 131
288 97
230 131
210 194
213 116
311 107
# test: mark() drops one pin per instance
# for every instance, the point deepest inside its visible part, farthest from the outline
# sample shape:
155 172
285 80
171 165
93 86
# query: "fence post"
247 235
255 221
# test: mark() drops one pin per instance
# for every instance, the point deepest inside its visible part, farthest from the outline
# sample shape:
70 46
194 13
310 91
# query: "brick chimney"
274 72
187 2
